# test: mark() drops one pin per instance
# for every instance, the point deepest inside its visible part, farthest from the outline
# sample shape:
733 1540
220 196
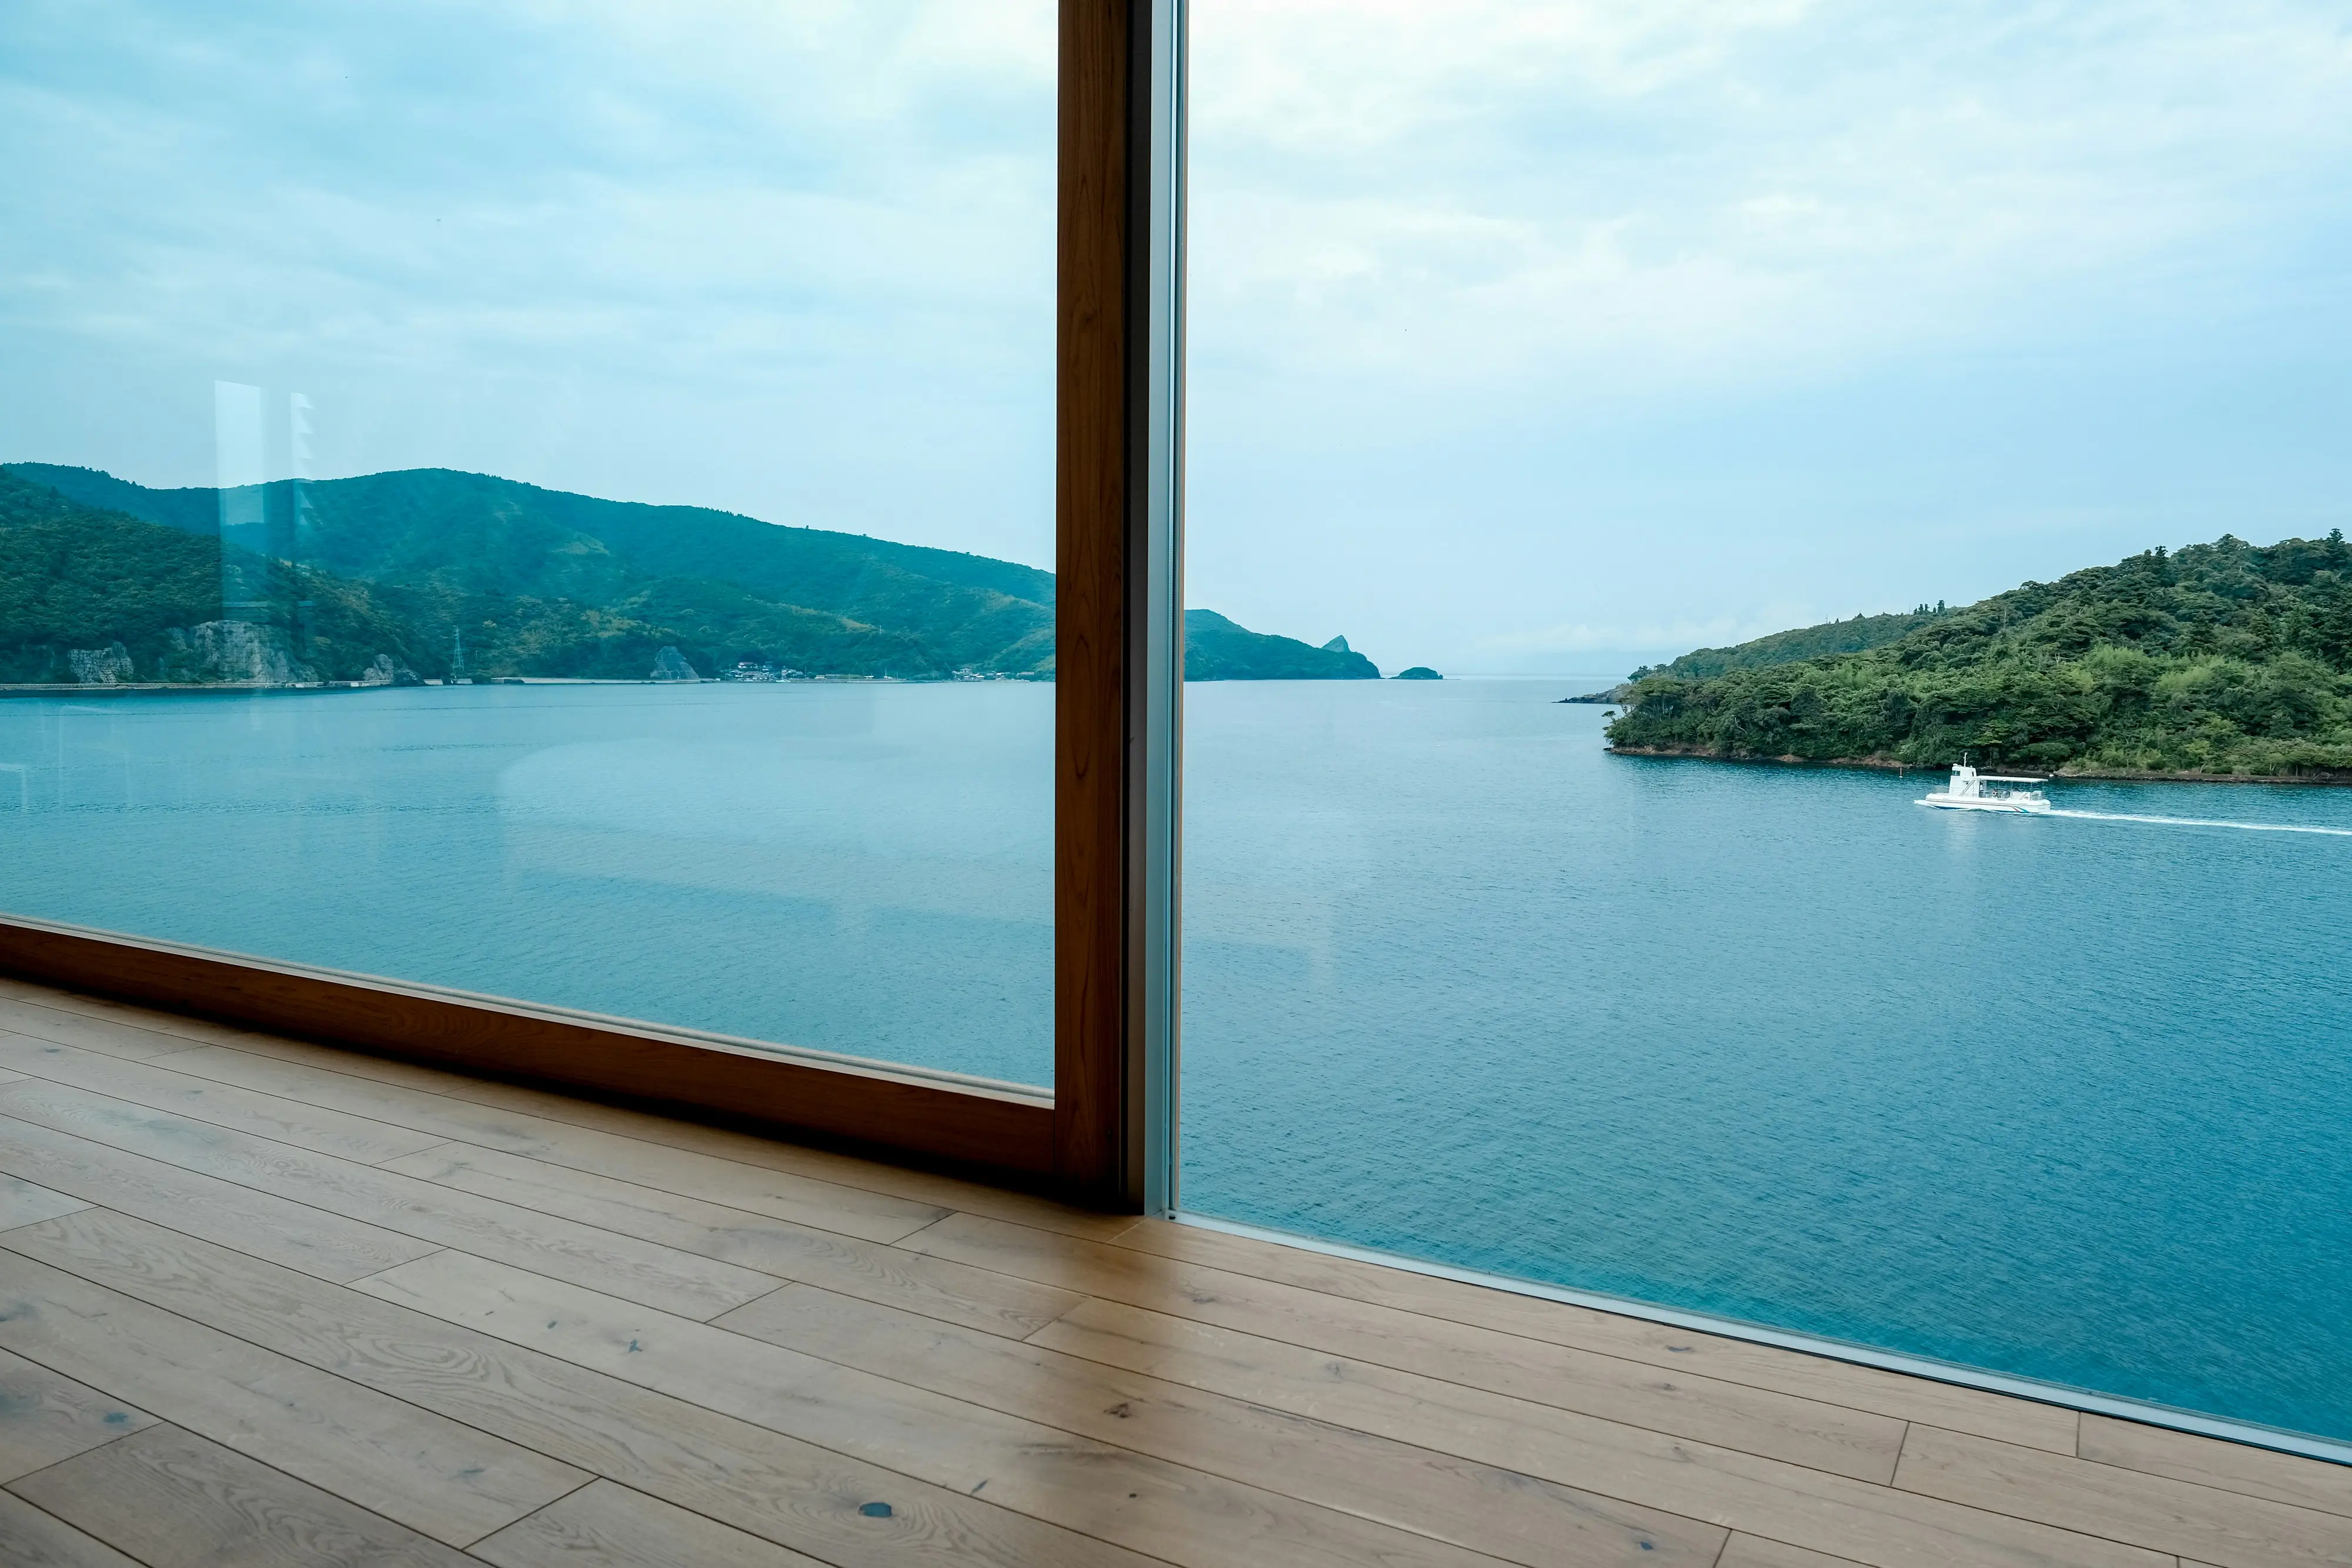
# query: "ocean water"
2068 1098
851 867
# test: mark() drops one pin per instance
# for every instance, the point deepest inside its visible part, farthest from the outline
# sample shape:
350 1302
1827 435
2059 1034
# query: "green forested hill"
80 578
474 536
537 582
2226 658
1857 635
1217 650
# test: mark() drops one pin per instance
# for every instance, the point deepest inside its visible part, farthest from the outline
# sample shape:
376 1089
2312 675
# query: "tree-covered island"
2220 661
427 574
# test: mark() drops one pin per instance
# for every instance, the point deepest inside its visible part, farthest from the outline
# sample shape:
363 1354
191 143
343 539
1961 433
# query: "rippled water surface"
2067 1098
2070 1098
854 867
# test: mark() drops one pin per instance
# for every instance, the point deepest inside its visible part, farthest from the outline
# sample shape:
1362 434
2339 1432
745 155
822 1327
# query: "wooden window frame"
1105 1136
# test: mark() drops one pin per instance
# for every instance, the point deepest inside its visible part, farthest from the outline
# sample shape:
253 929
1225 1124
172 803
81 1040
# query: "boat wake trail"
2205 822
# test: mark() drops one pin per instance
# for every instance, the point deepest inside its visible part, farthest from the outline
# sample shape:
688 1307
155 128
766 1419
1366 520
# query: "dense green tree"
2224 658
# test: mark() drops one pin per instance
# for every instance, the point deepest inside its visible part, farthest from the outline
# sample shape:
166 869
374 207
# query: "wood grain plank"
108 1009
25 1203
2209 1461
659 1276
934 1287
104 1035
1008 1131
309 1127
1831 1514
792 1492
1755 1552
1481 1507
1682 1402
929 1188
46 1417
31 1538
1892 1393
277 1228
2230 1529
1146 1505
780 1195
430 1473
603 1525
173 1501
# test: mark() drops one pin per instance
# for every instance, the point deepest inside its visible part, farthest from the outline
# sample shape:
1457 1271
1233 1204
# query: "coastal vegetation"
428 573
1217 650
2220 660
1857 635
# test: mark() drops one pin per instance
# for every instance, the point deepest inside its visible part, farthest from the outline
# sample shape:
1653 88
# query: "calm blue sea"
2069 1098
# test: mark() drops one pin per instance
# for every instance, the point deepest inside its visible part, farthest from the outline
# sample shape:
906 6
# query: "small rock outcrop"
1419 673
386 670
106 666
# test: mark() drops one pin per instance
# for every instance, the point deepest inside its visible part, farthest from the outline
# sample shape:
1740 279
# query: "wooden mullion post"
1114 616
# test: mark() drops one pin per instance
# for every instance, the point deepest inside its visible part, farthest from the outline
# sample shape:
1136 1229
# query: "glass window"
1800 401
549 503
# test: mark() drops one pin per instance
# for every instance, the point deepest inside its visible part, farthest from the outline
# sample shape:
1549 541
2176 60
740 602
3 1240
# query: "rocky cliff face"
231 651
106 666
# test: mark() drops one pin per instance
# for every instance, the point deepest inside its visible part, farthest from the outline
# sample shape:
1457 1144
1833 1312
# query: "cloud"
1698 193
796 259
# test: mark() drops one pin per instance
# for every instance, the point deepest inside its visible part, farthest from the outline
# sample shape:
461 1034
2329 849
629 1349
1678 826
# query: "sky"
1524 336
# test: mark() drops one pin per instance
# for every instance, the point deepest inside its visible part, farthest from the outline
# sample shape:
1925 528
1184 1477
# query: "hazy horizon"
1525 337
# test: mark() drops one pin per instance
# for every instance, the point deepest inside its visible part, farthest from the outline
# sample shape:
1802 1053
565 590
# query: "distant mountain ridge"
1217 650
543 582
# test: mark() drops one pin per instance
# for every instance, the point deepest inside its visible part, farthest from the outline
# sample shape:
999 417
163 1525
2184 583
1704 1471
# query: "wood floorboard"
854 1211
904 1186
46 1417
1904 1397
1149 1506
26 1202
934 1287
1485 1508
1755 1552
2228 1530
160 1088
2209 1461
1683 1403
34 1538
642 1272
171 1500
606 1526
815 1165
63 1027
260 1223
431 1473
336 1293
792 1492
1741 1491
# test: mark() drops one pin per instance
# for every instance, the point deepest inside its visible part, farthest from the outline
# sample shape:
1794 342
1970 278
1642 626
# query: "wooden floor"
263 1302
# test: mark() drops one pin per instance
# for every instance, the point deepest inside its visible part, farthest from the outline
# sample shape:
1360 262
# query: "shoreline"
314 688
1890 765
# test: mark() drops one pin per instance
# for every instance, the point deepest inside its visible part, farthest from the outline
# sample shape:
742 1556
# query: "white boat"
1967 792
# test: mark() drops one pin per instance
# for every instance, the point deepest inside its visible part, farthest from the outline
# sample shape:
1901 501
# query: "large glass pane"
547 501
1995 355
